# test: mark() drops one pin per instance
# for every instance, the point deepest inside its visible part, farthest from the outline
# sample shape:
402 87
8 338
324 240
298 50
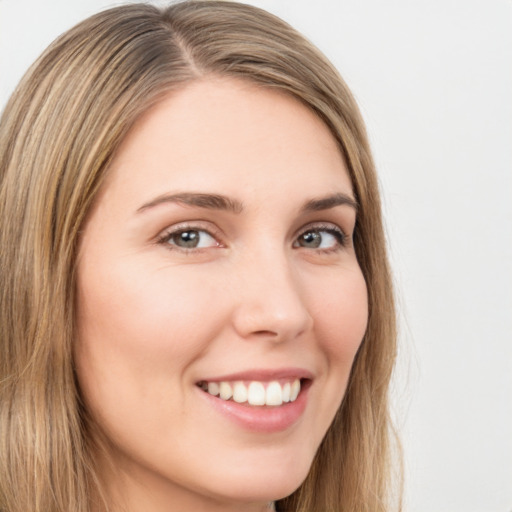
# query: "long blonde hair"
58 134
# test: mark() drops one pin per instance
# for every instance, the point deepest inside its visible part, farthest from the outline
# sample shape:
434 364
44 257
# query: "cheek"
342 316
138 333
142 312
340 310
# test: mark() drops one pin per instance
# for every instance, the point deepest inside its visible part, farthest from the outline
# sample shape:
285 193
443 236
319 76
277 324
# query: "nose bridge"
271 300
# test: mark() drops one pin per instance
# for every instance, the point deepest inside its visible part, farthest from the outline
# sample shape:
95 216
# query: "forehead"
233 135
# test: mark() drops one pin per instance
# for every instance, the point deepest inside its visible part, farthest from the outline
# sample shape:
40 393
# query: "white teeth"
225 391
257 393
213 388
286 392
274 394
240 393
295 390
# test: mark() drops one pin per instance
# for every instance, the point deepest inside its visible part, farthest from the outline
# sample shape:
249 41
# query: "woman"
196 305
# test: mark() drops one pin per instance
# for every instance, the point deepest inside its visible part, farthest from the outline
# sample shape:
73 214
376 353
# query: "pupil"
188 239
311 239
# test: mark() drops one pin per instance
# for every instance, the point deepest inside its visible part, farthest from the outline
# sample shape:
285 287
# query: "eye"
324 238
189 238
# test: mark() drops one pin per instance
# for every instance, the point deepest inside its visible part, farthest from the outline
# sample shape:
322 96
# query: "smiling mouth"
256 393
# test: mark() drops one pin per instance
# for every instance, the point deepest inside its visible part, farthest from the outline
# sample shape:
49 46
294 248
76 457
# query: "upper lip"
263 374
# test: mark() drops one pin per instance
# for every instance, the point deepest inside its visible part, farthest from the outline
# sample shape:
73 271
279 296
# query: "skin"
155 318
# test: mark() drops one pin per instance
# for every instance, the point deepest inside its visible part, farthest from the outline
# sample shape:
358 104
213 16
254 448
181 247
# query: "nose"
271 303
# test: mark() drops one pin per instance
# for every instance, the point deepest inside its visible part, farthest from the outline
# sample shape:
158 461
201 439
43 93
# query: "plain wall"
434 82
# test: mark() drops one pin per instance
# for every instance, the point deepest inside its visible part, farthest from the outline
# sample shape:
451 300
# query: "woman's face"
218 259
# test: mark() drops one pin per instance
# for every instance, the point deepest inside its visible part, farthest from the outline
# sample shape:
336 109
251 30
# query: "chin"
263 483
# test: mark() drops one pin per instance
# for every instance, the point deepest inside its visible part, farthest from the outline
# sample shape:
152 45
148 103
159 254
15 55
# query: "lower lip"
265 419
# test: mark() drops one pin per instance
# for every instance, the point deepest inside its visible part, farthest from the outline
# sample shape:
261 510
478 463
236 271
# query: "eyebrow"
325 203
209 201
221 202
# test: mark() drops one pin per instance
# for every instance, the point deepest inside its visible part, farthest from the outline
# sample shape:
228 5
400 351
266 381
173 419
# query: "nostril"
265 333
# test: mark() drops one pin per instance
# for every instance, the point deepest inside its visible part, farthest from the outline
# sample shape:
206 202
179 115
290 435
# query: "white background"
434 81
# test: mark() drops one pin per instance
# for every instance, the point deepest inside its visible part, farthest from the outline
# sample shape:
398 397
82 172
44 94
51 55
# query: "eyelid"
199 225
329 227
321 225
207 227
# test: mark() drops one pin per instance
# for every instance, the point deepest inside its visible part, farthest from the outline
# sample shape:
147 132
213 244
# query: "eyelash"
340 236
174 231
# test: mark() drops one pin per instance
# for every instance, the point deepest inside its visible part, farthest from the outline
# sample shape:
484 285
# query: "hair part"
58 134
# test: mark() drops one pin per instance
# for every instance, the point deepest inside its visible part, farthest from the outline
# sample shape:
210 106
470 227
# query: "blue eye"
321 238
191 239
